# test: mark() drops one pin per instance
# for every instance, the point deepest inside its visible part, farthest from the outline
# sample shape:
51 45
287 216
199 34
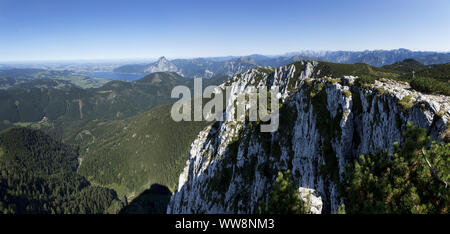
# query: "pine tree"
284 197
401 182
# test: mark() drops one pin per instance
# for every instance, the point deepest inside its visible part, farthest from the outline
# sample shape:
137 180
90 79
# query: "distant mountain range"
379 57
208 67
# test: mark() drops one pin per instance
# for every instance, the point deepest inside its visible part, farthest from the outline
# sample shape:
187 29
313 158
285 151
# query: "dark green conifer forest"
38 175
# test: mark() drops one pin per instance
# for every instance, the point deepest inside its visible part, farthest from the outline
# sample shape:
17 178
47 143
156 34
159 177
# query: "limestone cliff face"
163 65
324 123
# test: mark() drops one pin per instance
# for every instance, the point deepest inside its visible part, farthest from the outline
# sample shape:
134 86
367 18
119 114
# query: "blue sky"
79 29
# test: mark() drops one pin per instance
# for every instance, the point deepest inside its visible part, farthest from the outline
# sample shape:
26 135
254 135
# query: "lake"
116 76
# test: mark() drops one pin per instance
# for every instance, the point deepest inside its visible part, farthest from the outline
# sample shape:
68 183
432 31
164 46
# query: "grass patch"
347 93
406 103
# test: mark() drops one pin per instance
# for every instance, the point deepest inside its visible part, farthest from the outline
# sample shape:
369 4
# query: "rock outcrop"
324 123
163 65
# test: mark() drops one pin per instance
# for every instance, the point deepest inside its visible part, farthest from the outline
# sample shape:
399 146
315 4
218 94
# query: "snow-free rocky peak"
325 122
163 65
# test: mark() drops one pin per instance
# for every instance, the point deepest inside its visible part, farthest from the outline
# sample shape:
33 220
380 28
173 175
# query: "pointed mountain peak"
162 65
162 58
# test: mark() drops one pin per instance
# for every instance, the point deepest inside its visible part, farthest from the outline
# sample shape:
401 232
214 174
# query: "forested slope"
38 175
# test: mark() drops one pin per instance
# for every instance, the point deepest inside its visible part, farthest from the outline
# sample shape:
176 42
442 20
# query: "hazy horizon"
153 59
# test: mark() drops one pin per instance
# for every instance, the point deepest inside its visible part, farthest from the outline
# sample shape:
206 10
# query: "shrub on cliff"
284 197
430 85
410 180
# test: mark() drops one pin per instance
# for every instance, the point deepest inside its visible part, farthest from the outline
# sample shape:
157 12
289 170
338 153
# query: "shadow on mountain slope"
151 201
